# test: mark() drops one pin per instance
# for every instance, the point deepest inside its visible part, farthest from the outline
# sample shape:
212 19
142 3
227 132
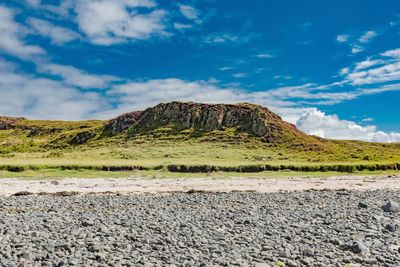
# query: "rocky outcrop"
81 138
209 117
121 123
8 123
256 120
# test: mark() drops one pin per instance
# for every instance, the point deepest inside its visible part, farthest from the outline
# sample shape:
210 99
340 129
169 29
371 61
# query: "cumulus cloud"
317 123
107 22
57 34
77 77
12 37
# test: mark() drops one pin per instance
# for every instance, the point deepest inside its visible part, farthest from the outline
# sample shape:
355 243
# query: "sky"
330 67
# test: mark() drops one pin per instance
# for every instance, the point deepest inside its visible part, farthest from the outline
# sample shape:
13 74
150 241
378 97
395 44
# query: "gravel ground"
309 228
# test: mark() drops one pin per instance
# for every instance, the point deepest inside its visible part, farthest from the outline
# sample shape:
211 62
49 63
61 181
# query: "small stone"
391 227
357 247
362 205
87 223
391 206
309 252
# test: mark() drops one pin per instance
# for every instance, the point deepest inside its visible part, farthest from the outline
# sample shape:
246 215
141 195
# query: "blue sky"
330 67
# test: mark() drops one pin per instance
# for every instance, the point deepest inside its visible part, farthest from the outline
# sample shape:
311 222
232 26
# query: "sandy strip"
140 185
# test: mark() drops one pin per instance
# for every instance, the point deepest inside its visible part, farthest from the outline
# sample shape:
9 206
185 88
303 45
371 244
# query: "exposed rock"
121 123
82 138
253 119
8 123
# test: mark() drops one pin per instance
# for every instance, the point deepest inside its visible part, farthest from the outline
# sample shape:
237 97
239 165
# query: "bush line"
261 168
210 168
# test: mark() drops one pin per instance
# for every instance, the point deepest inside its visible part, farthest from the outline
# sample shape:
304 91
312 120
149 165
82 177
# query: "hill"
182 134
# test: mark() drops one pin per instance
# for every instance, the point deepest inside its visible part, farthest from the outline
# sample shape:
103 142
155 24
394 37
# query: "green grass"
33 146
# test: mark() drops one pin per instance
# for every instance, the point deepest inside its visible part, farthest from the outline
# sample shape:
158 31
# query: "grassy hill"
184 137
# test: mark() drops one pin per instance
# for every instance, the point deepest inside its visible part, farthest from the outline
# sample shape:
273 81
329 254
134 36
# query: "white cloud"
189 12
386 73
228 38
43 98
318 123
344 71
225 68
395 53
12 37
240 75
367 36
181 26
107 22
355 49
34 3
57 34
384 68
264 56
342 38
368 63
368 120
77 77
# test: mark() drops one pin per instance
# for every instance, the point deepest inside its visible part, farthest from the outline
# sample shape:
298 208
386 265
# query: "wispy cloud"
386 68
225 68
357 45
229 38
240 75
57 34
189 12
12 35
76 77
367 37
342 38
264 55
182 26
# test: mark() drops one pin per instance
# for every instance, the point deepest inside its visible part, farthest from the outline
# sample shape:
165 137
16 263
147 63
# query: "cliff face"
253 119
121 123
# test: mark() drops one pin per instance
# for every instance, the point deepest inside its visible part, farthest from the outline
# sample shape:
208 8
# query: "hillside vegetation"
185 137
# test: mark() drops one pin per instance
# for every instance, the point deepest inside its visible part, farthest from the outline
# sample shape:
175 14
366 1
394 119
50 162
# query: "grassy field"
54 149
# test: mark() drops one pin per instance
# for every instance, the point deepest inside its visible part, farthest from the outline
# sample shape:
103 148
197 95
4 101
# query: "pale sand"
140 185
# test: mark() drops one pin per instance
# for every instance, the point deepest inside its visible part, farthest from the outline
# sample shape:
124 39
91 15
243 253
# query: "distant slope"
181 132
